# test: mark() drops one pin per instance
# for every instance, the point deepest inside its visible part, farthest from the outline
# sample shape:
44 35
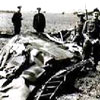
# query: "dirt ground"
89 87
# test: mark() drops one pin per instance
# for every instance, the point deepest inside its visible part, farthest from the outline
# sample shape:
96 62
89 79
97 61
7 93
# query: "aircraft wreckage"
33 68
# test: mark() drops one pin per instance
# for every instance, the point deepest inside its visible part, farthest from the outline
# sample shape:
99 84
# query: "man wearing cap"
91 31
16 20
79 26
39 21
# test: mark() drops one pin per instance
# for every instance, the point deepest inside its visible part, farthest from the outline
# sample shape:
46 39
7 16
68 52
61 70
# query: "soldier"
79 27
91 31
16 19
39 22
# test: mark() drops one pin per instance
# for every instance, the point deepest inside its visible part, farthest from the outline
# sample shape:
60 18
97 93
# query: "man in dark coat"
39 21
16 20
91 31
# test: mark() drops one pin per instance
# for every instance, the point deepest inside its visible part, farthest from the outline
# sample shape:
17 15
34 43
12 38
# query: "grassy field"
54 22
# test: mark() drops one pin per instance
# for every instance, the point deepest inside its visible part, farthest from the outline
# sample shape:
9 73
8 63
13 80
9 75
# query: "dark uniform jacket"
80 25
39 22
16 19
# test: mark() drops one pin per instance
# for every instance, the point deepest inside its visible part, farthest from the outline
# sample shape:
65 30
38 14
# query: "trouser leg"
96 52
16 30
87 49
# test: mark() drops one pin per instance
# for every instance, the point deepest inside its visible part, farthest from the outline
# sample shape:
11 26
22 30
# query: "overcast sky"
50 5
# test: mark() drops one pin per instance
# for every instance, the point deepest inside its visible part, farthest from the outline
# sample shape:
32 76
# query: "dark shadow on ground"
6 36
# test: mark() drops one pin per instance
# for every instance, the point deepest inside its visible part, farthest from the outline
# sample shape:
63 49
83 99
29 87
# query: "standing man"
16 20
39 21
79 27
91 31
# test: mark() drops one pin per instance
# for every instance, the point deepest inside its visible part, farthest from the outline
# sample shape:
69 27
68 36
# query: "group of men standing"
88 34
91 32
88 31
39 21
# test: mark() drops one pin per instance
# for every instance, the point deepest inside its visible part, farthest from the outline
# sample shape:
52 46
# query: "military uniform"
16 19
91 30
79 26
39 22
